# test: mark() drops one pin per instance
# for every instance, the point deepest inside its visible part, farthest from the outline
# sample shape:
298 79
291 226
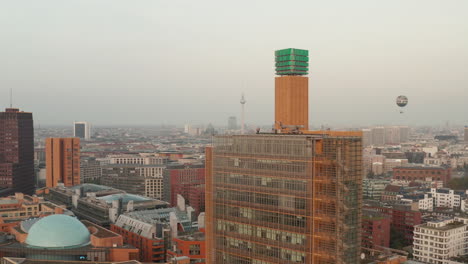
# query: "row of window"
261 232
261 250
262 216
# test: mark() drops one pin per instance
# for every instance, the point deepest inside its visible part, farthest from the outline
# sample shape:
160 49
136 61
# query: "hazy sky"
149 62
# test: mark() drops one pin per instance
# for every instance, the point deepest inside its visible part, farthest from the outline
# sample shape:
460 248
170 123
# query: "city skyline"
124 67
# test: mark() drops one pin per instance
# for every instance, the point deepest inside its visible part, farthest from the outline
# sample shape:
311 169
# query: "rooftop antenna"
11 98
243 101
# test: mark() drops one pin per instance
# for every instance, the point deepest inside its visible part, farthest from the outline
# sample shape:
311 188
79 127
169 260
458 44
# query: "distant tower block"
243 101
292 88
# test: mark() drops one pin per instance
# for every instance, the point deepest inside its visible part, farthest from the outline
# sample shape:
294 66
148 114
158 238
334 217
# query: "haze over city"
175 62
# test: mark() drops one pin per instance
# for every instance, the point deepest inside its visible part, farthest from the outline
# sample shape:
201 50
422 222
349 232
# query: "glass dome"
58 231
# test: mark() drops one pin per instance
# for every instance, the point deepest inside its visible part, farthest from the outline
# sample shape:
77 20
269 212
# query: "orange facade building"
292 102
62 161
293 196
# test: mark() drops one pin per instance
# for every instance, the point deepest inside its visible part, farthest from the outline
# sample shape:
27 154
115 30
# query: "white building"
437 242
82 130
444 197
143 159
424 202
430 151
464 205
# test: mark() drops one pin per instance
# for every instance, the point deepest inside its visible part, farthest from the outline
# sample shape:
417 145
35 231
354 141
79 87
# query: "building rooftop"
99 231
156 216
133 166
58 231
89 187
448 226
37 261
125 198
420 167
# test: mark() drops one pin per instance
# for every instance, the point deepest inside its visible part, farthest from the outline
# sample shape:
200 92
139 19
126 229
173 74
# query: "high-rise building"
82 130
466 134
232 123
366 137
392 135
292 89
288 197
404 134
62 161
16 152
378 136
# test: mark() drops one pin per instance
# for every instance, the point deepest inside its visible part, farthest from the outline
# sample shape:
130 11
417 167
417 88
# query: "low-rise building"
90 170
375 230
446 198
391 193
100 204
373 188
187 180
416 172
64 238
403 217
424 201
440 241
153 230
145 180
190 245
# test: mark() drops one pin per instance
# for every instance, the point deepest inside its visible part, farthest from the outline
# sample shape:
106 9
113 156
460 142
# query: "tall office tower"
82 130
292 89
289 197
366 137
62 161
392 135
16 152
378 136
232 123
466 134
404 134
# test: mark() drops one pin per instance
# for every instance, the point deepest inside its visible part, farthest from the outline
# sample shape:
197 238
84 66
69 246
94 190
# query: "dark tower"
16 152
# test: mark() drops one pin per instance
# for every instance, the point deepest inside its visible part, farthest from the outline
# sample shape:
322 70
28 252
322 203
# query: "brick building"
191 246
403 217
187 180
62 161
422 173
150 230
16 152
375 229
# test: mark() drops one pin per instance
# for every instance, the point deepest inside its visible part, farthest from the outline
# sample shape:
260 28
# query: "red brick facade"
195 250
402 219
151 250
421 173
375 231
188 181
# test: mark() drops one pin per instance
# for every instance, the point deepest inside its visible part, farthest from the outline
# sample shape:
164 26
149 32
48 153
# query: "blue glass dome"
58 231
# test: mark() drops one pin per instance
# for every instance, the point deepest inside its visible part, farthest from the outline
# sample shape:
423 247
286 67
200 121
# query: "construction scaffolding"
279 198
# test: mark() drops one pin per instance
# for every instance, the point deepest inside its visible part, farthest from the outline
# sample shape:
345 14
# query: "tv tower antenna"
243 101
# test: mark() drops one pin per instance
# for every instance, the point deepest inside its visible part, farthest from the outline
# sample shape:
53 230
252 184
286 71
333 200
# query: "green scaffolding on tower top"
292 62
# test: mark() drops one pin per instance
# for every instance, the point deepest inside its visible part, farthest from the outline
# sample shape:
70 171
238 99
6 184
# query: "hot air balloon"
402 101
